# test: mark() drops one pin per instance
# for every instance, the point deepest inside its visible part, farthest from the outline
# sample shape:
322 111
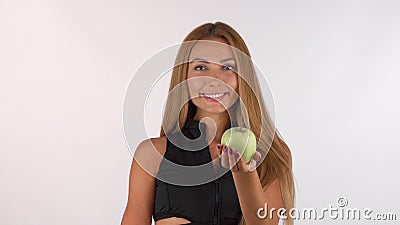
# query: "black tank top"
212 201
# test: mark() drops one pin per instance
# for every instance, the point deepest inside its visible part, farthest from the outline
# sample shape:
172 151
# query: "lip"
215 99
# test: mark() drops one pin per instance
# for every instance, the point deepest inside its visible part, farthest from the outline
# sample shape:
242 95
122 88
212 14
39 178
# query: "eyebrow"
205 60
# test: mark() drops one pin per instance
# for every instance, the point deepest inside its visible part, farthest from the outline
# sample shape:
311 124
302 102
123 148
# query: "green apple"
241 140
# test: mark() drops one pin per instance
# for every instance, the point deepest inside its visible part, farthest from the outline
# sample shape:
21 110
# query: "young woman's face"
212 77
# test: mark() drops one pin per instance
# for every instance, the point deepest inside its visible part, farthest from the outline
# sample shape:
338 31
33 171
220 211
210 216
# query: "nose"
213 82
214 76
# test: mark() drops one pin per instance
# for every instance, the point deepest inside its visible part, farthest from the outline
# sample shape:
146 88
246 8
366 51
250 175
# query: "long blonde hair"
276 154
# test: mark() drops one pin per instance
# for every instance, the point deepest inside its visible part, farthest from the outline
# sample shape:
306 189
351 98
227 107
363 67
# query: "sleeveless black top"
210 201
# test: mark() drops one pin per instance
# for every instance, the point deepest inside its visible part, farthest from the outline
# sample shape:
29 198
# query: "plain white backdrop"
333 67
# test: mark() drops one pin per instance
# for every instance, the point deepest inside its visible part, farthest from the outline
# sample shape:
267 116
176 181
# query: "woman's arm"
140 197
139 208
252 196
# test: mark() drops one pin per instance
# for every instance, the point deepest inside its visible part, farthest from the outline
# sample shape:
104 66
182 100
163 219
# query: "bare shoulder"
159 143
142 181
150 152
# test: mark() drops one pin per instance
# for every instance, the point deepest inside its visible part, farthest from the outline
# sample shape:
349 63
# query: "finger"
219 150
241 165
224 157
252 165
232 159
257 156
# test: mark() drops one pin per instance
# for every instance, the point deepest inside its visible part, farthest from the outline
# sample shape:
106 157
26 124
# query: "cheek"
233 83
236 85
194 85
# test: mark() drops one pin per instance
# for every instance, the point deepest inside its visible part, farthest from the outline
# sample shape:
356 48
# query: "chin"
212 109
215 111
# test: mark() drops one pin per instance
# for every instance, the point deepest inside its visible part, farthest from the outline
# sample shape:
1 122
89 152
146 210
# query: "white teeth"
212 95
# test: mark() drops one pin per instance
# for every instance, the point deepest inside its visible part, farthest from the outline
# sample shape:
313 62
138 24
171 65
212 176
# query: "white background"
333 67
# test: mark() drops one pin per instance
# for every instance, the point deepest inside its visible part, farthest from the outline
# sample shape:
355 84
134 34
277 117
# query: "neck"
216 124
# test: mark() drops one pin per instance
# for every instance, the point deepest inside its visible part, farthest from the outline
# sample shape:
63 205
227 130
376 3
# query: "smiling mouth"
214 97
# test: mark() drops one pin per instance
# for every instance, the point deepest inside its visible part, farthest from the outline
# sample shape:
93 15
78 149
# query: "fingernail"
237 154
224 148
230 151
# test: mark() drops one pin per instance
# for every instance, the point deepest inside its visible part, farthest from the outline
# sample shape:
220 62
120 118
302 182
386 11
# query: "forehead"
211 51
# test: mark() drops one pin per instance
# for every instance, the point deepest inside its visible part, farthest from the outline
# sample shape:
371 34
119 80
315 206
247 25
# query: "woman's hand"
234 160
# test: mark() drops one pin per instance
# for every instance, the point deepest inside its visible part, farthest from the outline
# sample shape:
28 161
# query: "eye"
229 67
199 68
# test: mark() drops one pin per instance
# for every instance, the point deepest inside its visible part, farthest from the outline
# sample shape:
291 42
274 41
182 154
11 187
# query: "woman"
223 92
